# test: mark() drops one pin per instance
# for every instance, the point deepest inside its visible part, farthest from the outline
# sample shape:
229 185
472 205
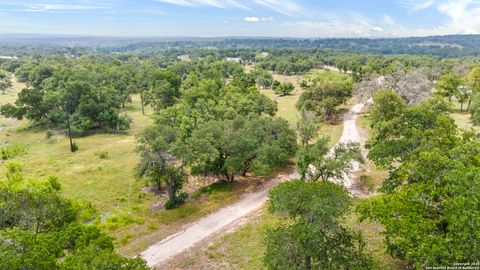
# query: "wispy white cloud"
254 19
388 20
415 5
463 17
63 7
287 7
338 25
223 4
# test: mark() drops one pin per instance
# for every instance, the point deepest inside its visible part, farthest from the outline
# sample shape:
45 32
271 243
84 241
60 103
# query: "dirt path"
351 133
218 221
209 225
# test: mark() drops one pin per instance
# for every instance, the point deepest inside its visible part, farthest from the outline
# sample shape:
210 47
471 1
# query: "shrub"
102 154
49 135
366 182
181 198
10 151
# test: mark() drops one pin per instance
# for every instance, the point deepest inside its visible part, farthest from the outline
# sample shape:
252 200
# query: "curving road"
218 221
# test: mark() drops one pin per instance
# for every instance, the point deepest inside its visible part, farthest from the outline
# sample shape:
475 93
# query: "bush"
366 182
74 147
10 151
102 154
122 220
170 204
49 135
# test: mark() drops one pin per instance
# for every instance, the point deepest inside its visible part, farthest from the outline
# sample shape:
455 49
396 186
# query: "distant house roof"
8 57
234 59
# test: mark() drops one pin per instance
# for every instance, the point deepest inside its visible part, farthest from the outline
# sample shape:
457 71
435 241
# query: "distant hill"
443 46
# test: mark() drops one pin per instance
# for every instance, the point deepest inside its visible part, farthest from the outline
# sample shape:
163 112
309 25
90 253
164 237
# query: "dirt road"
216 222
351 133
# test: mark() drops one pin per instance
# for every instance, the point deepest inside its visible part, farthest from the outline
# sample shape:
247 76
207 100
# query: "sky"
266 18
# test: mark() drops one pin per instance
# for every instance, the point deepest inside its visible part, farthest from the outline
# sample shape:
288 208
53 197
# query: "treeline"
300 61
88 93
441 46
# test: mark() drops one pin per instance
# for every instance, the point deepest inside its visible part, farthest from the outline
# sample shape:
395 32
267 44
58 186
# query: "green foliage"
263 78
314 162
213 188
164 89
434 220
312 237
448 85
56 90
49 135
475 110
39 229
284 89
102 154
231 147
12 150
399 135
158 164
5 81
119 221
430 210
325 95
307 127
387 105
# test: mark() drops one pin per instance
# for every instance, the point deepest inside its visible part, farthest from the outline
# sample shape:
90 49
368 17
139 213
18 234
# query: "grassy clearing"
462 119
286 104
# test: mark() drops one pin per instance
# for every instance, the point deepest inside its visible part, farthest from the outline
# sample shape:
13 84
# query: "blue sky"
279 18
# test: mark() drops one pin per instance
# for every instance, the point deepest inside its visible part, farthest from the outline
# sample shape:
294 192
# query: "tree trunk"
461 106
302 176
308 262
143 105
468 105
171 191
69 131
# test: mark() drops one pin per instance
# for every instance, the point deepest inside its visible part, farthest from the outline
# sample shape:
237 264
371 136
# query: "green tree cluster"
216 127
5 81
62 96
430 208
41 230
311 235
325 95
